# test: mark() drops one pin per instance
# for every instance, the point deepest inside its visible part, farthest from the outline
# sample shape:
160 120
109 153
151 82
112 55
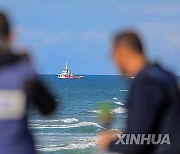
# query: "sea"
73 127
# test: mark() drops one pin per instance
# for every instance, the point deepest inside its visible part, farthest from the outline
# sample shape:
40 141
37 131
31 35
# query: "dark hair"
131 39
4 26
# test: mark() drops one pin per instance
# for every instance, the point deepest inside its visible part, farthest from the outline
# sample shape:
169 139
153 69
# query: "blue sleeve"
43 99
144 106
40 95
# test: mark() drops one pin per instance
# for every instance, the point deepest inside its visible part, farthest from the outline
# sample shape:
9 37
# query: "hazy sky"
80 31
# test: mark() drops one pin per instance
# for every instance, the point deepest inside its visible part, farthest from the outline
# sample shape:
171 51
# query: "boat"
66 74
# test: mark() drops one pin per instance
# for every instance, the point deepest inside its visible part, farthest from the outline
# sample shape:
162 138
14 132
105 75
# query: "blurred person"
153 103
19 88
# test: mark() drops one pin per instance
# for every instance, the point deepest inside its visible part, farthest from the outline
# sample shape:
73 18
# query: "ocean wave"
38 120
51 134
119 110
66 120
95 111
119 103
123 90
79 143
116 110
81 124
67 147
69 120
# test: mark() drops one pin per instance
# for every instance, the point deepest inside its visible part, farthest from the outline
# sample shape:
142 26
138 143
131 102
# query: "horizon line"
88 74
76 74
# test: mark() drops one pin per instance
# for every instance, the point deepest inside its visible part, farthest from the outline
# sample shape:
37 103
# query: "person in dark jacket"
19 88
153 103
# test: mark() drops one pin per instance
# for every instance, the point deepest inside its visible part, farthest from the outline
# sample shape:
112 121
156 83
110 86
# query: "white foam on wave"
123 90
119 103
95 111
66 120
51 134
79 146
38 120
80 124
119 110
116 110
50 148
69 120
80 143
115 98
68 147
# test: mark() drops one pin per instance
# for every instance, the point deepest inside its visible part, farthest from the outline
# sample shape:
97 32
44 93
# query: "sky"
80 32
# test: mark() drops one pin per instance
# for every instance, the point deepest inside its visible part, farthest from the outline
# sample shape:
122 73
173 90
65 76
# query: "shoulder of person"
155 74
23 55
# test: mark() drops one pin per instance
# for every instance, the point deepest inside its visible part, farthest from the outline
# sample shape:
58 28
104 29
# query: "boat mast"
66 66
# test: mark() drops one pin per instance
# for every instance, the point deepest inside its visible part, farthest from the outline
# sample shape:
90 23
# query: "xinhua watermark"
143 139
